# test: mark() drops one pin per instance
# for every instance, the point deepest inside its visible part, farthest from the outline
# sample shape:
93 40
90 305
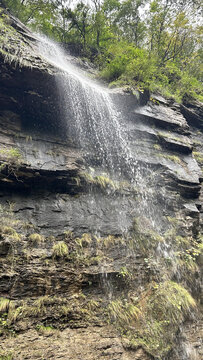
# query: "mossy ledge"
15 47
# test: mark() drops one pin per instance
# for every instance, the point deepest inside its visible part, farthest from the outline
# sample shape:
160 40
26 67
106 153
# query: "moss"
198 156
104 181
188 252
60 250
16 50
157 147
111 241
153 321
123 312
173 158
92 305
170 136
14 314
173 220
7 309
10 153
39 306
125 273
45 330
68 234
36 238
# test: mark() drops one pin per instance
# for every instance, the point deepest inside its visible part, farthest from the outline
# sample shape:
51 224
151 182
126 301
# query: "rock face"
95 267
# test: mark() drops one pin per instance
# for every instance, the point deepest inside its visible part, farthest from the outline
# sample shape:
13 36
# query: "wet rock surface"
93 343
60 294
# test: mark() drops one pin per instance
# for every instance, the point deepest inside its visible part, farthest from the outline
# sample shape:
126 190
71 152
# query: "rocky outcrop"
87 259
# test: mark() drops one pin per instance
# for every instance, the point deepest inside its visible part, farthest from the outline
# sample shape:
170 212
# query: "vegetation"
153 44
60 250
5 305
173 158
103 181
36 238
10 233
10 158
143 236
198 156
153 320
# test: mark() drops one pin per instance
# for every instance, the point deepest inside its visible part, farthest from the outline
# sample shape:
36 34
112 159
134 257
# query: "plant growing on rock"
153 321
45 330
123 312
60 250
10 158
84 241
103 181
5 305
143 236
36 238
10 233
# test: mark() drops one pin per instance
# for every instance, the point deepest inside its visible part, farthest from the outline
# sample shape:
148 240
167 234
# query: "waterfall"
93 120
95 124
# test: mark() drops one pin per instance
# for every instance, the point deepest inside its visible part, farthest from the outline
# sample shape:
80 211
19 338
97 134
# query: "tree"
79 20
128 20
39 14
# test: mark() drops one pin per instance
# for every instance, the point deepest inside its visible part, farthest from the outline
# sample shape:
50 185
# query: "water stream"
95 124
92 118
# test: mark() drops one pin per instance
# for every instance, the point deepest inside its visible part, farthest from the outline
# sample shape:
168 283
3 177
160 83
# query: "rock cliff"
94 267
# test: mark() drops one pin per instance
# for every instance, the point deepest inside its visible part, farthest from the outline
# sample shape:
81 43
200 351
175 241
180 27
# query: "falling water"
92 118
95 124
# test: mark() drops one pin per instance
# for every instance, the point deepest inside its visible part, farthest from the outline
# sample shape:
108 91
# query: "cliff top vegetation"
147 44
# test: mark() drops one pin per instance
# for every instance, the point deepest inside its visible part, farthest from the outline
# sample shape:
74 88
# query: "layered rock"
81 260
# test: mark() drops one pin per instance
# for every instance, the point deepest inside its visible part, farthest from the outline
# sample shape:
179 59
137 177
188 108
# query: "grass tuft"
60 250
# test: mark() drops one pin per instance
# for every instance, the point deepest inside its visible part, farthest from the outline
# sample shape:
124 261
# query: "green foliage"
40 15
123 312
153 320
10 157
10 153
84 241
162 52
45 330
